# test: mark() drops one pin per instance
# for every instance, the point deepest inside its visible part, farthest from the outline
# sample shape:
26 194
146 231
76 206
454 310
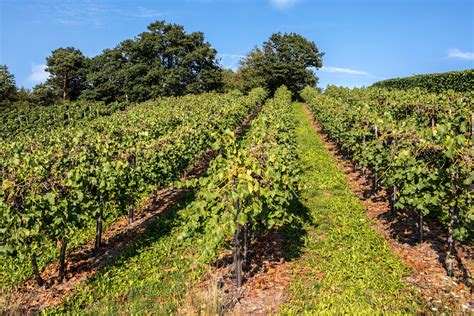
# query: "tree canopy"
7 86
284 59
163 61
68 69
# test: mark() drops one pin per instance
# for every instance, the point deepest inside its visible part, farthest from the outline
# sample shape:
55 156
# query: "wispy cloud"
38 73
283 3
90 12
230 61
346 71
143 12
456 53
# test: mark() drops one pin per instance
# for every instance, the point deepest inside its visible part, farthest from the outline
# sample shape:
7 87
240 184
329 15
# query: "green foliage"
156 273
164 61
419 142
284 59
460 81
7 86
28 120
55 183
346 267
230 81
44 94
68 69
249 184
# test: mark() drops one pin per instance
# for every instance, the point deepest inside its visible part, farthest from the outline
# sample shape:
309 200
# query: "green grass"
152 275
345 266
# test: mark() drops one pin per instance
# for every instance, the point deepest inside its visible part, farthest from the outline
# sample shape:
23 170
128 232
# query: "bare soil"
264 283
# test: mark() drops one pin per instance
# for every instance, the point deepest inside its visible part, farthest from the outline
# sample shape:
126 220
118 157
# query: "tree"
284 59
68 68
7 86
163 61
106 78
23 96
230 81
251 73
44 94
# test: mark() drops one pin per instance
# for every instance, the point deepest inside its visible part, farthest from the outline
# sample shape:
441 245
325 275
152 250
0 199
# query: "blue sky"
364 40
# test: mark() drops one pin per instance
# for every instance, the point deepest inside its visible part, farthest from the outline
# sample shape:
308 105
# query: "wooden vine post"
453 214
394 188
237 245
62 260
39 280
98 231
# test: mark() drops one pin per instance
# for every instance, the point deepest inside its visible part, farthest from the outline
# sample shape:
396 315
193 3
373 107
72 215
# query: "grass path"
345 265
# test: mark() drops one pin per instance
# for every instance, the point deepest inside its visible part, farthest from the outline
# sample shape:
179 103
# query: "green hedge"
460 81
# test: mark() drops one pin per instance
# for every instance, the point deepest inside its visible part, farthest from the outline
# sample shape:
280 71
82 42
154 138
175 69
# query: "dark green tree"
251 73
44 94
106 77
230 81
284 59
163 61
7 86
68 68
23 95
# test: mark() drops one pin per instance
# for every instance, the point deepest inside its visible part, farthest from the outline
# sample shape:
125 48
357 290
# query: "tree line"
165 60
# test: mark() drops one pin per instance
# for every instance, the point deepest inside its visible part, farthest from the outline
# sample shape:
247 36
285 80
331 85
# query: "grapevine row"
418 145
31 120
56 184
249 186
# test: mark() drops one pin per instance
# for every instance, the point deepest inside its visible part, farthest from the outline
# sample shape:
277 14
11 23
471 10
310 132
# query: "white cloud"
231 61
344 71
283 3
38 73
456 53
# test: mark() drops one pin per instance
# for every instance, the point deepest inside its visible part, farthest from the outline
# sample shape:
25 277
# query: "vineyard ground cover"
83 262
155 273
346 266
426 260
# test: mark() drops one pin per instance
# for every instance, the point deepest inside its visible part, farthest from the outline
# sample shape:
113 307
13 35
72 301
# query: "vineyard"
419 145
71 172
57 185
149 167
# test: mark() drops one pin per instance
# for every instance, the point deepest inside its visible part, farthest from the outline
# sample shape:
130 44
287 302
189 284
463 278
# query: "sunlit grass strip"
346 266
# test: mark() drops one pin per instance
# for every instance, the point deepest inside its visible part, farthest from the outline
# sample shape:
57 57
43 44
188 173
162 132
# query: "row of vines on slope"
55 185
249 186
18 122
459 81
418 145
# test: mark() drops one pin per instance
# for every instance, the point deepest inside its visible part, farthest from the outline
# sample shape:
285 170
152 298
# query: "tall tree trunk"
62 260
34 264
